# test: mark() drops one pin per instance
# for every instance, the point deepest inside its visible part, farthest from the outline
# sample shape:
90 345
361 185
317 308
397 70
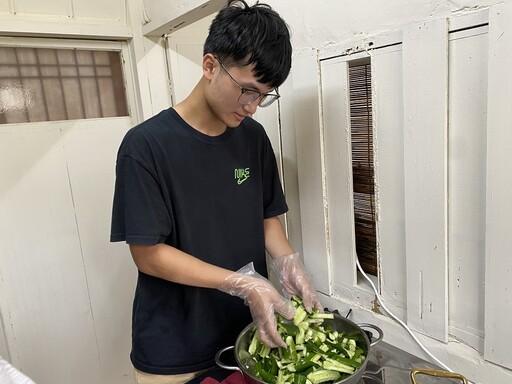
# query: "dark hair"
243 35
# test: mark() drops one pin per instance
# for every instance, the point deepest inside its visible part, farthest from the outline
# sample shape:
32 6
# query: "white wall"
316 25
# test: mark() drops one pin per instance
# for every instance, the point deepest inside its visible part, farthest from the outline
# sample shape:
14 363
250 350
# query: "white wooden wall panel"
269 118
67 18
185 61
309 164
44 293
338 169
44 8
114 10
109 268
388 121
63 174
184 49
425 51
74 287
5 7
289 163
498 260
466 170
464 72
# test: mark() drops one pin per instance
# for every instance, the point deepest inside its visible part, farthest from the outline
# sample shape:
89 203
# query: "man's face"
225 90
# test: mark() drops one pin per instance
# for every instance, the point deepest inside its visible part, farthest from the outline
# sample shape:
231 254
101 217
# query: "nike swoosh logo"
240 181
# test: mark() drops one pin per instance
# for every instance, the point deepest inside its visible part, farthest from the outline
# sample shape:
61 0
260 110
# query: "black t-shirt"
207 196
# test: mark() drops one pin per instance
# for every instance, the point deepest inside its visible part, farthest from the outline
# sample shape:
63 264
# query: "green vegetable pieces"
315 353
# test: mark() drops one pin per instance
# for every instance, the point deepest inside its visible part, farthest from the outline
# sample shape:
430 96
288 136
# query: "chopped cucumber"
323 375
314 354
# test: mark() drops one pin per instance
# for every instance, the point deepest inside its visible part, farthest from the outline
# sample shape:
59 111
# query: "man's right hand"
263 300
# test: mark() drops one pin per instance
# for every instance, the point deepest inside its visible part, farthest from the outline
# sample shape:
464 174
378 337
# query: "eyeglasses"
249 96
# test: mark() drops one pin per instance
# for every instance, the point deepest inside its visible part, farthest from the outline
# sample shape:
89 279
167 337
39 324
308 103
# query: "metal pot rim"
337 319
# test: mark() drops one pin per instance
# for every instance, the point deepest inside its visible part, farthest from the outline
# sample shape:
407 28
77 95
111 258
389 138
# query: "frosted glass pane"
41 84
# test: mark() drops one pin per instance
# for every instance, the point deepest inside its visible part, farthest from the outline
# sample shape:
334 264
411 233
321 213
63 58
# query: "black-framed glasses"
249 96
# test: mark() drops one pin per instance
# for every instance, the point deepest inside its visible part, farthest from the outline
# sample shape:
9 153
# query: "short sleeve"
139 213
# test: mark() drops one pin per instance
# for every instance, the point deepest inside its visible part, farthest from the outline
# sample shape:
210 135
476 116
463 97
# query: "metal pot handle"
374 327
221 364
437 373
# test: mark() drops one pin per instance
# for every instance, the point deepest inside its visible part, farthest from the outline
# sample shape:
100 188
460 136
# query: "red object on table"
234 378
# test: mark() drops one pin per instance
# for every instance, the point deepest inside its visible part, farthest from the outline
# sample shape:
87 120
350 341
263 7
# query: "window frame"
336 279
96 45
428 314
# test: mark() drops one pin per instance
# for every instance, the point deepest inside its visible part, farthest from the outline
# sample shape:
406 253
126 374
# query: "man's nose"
251 108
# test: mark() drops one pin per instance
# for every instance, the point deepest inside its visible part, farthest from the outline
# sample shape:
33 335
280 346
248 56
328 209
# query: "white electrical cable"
398 320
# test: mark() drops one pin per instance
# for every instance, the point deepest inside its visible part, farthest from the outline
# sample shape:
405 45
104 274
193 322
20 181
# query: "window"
41 84
439 112
363 174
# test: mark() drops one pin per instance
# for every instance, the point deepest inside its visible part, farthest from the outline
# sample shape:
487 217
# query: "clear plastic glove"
294 280
263 300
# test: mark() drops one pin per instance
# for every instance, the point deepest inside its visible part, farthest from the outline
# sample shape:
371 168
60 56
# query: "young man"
198 197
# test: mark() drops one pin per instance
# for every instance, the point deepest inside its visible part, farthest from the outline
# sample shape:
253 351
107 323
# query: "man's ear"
208 66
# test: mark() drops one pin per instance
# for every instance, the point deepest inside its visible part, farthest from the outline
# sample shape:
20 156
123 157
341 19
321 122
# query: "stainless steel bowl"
339 323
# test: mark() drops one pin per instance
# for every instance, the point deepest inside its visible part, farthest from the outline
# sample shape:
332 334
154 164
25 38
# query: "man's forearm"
169 263
276 242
